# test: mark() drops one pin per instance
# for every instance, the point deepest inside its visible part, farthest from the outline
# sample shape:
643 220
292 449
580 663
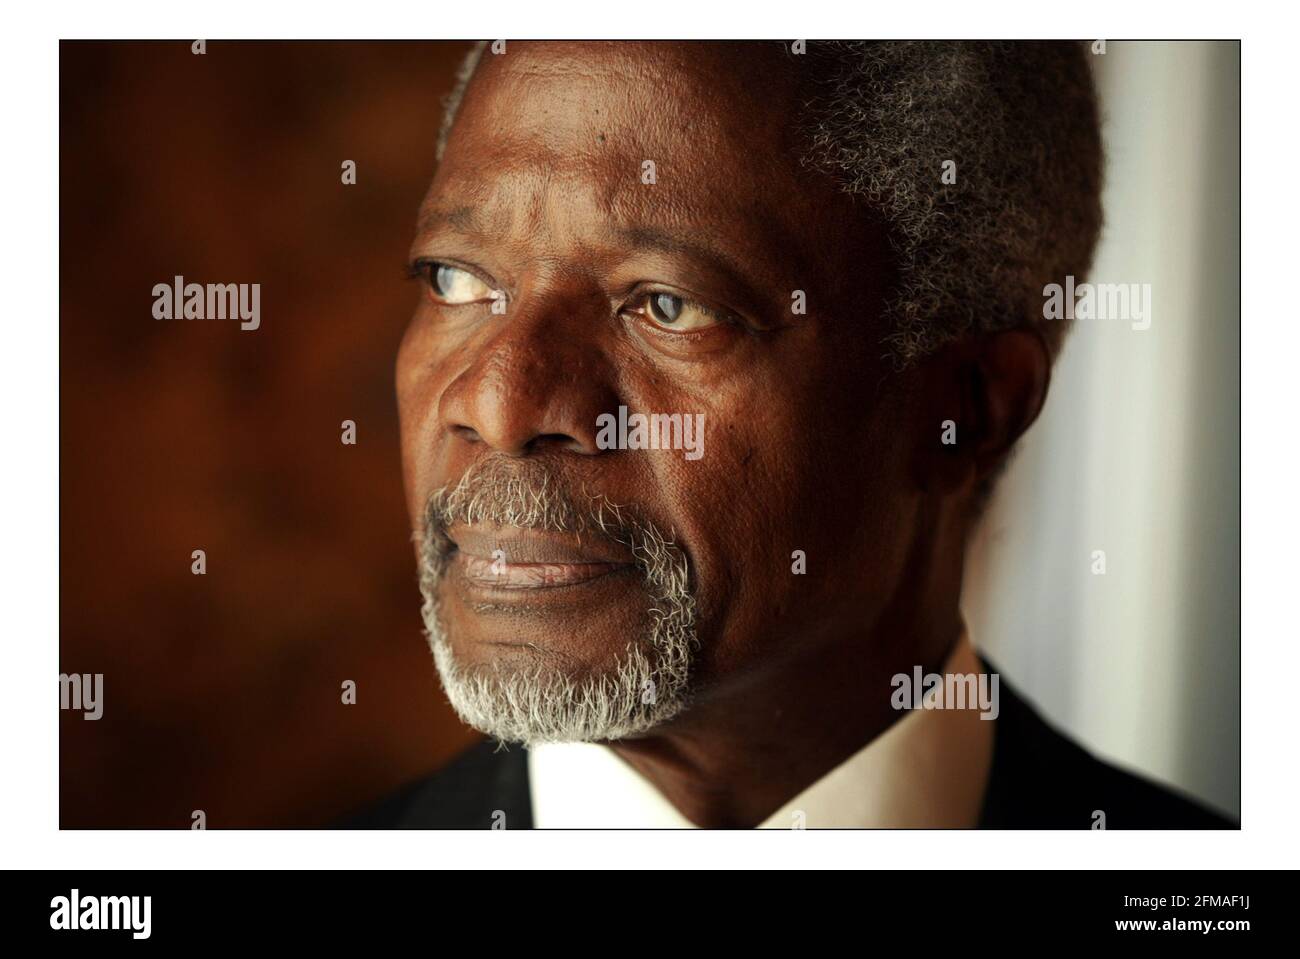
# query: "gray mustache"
535 494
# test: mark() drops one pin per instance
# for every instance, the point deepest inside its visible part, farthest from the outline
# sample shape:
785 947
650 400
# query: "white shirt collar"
929 769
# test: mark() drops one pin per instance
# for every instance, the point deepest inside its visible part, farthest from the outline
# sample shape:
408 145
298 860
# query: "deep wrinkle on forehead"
633 93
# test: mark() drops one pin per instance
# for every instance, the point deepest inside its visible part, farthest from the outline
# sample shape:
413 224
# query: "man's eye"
675 313
453 285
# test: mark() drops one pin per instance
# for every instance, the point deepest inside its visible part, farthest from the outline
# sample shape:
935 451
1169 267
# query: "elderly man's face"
665 289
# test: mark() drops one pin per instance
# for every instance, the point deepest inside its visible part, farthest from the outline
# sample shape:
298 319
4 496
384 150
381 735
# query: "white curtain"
1137 453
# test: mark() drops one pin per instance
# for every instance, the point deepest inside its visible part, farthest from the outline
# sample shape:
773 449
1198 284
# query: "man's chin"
521 693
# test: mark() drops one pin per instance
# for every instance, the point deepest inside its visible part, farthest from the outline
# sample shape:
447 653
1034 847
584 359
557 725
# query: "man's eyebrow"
743 282
467 219
664 241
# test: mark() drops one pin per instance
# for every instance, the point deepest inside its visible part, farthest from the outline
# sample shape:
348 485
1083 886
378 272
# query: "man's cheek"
715 515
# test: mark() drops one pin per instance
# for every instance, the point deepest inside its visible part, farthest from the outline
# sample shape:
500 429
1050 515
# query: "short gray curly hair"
1019 123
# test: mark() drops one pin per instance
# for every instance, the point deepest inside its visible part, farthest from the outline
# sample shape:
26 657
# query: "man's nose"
537 379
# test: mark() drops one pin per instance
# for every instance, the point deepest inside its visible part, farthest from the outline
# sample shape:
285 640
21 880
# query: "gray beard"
649 682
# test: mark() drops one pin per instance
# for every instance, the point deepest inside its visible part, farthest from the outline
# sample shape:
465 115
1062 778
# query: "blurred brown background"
223 692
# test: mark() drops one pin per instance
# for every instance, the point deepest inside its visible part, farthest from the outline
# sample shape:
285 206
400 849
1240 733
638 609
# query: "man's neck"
738 758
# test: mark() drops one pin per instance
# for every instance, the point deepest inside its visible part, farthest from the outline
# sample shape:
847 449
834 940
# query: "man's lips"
484 572
513 558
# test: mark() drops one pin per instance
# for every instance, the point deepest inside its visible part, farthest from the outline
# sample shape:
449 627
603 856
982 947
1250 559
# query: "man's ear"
990 389
1014 369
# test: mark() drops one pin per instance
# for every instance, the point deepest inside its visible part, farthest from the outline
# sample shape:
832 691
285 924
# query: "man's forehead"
706 102
716 68
625 132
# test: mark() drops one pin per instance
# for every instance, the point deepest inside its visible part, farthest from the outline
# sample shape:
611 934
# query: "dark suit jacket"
1039 780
